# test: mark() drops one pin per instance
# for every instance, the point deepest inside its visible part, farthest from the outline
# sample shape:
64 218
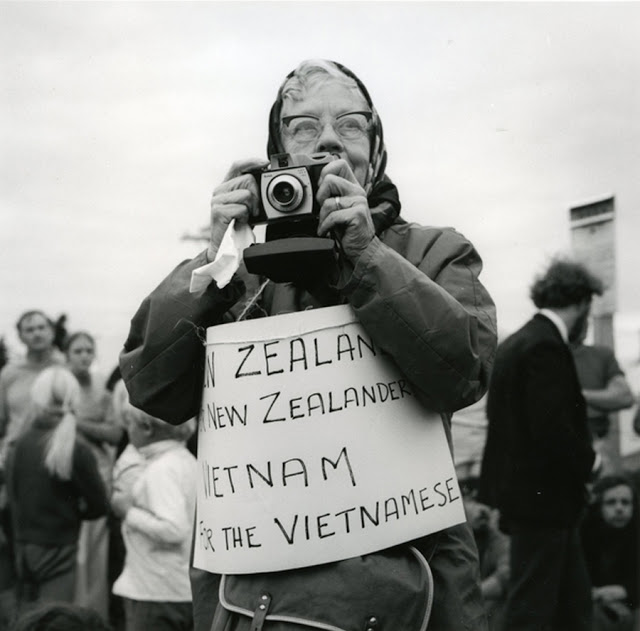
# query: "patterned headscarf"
382 194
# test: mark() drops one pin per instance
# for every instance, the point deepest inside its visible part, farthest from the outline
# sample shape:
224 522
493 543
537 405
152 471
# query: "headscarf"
382 194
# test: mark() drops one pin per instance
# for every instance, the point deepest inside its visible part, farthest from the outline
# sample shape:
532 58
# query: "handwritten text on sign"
313 447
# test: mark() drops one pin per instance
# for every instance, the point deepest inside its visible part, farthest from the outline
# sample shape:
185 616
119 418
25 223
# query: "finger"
335 186
242 166
221 216
353 216
341 168
238 204
245 196
336 203
241 181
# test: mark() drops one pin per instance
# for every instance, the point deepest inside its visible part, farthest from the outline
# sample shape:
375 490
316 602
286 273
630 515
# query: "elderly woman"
414 289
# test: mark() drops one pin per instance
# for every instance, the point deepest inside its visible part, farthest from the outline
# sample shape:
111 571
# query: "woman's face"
80 355
617 506
327 103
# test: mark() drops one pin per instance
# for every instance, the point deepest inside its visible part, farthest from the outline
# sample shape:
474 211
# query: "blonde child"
53 485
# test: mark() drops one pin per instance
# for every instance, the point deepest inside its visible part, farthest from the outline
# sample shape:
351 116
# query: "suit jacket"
538 453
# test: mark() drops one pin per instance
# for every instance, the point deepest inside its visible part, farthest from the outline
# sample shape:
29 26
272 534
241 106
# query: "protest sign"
313 447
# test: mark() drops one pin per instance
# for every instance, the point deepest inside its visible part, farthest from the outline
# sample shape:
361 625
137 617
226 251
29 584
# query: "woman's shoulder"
414 241
410 230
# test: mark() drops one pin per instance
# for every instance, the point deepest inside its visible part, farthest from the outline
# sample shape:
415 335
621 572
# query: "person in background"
37 332
493 550
610 542
156 501
53 484
415 290
117 552
92 588
604 388
538 456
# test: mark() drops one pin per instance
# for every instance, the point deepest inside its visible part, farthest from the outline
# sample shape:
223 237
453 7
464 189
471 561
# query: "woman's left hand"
344 210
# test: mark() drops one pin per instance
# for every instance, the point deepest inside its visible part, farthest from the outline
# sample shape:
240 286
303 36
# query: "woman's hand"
236 198
344 210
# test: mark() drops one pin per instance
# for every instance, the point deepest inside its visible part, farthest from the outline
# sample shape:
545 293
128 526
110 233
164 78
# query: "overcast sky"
118 120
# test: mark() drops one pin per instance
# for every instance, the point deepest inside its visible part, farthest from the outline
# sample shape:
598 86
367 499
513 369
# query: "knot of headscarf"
382 194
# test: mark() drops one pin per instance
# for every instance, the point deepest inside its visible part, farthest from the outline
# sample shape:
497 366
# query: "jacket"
538 454
415 290
45 509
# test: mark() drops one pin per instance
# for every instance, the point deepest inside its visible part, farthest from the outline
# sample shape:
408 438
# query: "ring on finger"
337 202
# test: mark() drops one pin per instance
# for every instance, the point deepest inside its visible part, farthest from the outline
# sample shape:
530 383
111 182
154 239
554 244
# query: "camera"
292 251
288 186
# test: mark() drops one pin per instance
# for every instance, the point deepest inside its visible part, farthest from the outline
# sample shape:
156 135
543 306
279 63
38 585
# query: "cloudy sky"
118 120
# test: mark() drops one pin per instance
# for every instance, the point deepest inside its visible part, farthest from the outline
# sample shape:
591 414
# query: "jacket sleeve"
428 310
166 516
162 362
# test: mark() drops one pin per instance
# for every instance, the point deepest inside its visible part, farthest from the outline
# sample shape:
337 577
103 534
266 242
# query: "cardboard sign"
313 447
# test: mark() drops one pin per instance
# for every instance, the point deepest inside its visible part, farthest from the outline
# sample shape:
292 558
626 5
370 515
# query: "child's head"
55 391
615 497
54 395
145 429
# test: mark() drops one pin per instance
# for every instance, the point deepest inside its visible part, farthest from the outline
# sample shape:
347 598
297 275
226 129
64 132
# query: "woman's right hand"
236 198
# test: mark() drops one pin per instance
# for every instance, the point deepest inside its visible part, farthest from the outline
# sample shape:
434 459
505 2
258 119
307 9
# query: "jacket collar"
558 323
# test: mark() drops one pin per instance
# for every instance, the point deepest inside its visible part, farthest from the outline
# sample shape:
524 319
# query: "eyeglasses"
350 126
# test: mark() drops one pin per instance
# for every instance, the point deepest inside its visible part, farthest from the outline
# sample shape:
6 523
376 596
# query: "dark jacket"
611 554
45 509
415 290
538 453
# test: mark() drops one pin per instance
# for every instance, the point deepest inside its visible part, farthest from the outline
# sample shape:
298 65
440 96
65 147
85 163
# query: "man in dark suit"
538 455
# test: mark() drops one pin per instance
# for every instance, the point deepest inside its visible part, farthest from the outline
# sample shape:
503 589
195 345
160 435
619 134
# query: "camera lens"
285 193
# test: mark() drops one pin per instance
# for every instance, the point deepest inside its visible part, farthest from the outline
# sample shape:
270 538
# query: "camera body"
288 186
292 251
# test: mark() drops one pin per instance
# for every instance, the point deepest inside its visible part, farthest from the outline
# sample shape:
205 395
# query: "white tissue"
237 237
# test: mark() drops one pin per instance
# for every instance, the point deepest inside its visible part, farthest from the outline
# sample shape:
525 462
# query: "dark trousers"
549 587
45 573
142 615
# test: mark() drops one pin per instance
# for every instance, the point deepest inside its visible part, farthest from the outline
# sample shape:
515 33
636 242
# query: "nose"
328 140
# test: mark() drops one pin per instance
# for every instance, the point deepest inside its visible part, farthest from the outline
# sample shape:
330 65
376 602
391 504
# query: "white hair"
313 72
160 428
55 392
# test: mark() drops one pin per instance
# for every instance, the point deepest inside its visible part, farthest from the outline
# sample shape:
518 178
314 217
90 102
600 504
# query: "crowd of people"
97 497
98 475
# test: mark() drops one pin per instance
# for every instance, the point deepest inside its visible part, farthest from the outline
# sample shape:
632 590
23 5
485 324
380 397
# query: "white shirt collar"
558 321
